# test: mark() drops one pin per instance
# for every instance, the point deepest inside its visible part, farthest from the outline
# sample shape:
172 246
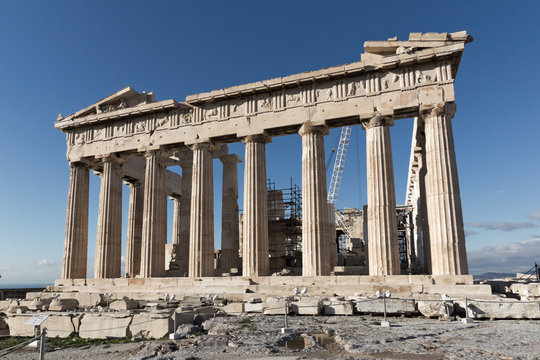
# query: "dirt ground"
324 337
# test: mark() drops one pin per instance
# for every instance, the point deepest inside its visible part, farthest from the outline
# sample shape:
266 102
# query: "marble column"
154 229
255 260
109 226
445 218
229 213
134 229
182 250
381 212
201 240
315 242
76 240
176 228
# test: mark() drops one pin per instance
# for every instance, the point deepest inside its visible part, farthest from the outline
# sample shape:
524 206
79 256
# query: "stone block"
499 310
253 307
338 308
151 325
184 317
274 308
39 304
234 308
63 305
89 299
102 326
17 326
435 309
393 306
61 325
5 305
124 305
306 307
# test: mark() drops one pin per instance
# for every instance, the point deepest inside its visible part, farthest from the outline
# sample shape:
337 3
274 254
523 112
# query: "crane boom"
337 176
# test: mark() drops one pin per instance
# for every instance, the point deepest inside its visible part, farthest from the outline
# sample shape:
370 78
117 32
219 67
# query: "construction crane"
337 176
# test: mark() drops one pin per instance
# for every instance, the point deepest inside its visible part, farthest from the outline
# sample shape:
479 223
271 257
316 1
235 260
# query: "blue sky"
61 56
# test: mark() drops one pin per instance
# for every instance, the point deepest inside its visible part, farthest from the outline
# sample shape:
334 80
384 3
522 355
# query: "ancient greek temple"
129 137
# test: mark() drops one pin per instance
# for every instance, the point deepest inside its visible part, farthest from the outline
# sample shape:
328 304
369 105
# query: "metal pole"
384 305
466 308
286 325
42 344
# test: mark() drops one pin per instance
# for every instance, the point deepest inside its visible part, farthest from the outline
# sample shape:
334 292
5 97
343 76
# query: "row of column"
447 243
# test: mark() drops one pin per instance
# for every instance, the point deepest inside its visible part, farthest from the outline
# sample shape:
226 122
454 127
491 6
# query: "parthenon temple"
132 138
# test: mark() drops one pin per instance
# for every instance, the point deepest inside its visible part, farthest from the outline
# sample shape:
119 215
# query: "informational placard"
36 320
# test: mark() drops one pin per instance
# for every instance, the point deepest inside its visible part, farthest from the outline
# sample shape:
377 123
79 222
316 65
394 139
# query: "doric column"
76 241
109 227
229 213
182 249
315 242
255 260
176 228
381 212
446 233
154 229
134 229
201 241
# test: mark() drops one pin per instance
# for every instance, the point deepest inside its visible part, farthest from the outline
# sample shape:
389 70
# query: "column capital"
309 127
447 108
230 158
132 183
175 197
263 138
204 146
163 154
377 120
79 164
111 158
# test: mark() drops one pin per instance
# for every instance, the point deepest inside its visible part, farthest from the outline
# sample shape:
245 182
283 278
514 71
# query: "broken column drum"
130 136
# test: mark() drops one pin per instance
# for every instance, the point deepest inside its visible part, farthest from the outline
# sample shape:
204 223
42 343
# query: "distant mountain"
493 275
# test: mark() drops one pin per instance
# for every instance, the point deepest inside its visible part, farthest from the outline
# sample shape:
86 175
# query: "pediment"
122 99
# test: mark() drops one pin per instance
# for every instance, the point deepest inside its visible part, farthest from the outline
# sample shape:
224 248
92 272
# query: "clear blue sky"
61 56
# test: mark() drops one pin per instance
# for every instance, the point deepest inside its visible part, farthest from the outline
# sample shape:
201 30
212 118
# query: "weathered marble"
382 226
315 242
229 213
447 236
134 230
76 241
255 221
154 229
201 241
109 227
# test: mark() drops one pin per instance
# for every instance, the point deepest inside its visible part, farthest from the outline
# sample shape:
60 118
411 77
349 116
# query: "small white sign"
36 320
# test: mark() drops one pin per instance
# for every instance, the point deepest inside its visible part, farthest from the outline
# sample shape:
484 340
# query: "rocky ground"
326 337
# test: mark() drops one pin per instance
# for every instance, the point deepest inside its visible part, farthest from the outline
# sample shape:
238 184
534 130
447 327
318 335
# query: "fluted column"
176 228
229 213
134 229
201 241
154 229
382 224
255 260
315 242
76 240
109 227
185 216
445 218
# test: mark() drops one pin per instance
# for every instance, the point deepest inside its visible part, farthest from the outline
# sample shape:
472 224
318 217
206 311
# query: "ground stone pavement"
325 337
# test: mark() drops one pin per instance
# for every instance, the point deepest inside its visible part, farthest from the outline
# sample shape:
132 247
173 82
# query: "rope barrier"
8 351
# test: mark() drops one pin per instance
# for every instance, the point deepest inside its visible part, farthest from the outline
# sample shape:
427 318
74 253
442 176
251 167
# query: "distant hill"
493 275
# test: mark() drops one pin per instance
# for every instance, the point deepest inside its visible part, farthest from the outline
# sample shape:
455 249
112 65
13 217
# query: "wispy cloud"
511 257
535 215
45 262
501 225
470 232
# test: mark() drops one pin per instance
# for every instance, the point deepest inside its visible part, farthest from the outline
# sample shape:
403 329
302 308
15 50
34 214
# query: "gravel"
325 337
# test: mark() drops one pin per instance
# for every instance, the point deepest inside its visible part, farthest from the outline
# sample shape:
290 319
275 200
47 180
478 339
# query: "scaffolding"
285 226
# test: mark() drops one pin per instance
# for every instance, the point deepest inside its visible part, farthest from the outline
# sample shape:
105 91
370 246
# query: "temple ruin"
130 137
